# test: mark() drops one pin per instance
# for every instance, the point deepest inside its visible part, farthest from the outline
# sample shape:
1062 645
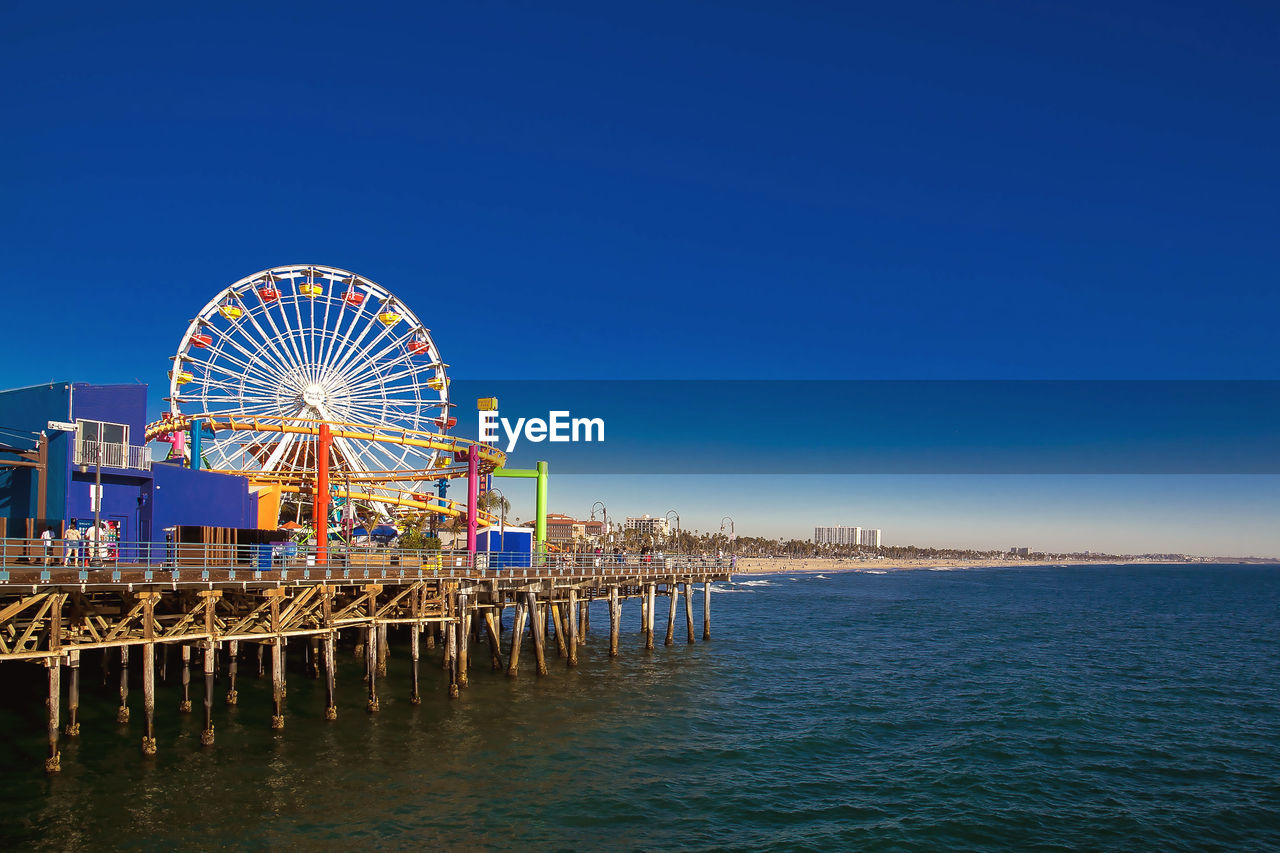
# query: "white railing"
113 455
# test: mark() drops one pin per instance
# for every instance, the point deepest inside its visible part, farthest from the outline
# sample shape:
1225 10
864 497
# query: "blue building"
90 425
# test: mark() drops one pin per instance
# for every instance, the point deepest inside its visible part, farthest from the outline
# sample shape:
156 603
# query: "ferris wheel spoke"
251 375
291 359
254 362
360 351
268 347
398 344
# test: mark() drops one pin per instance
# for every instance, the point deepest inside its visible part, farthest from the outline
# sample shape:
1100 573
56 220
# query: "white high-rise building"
647 525
870 537
838 535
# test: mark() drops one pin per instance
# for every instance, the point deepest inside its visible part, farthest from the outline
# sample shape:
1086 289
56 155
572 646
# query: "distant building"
1020 552
646 525
564 529
838 535
865 537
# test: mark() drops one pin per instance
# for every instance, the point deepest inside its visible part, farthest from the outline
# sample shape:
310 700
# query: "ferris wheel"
310 343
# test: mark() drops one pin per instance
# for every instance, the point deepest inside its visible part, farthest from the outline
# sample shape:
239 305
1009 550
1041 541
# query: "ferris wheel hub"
313 395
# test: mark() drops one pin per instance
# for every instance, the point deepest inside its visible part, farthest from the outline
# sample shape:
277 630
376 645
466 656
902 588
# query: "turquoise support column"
195 445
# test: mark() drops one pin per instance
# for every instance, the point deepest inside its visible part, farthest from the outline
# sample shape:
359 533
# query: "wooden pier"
56 615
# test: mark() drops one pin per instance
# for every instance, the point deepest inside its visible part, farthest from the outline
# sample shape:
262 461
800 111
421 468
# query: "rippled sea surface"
1099 708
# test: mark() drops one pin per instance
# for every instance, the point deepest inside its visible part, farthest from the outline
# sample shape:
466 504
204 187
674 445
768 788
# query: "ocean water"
1095 708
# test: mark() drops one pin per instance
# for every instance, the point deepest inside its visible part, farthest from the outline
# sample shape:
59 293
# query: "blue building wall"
29 410
182 496
143 503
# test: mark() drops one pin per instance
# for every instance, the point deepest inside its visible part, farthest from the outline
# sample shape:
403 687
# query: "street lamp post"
604 511
670 513
732 534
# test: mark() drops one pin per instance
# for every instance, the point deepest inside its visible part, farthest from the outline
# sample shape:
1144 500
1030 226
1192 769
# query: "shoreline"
772 566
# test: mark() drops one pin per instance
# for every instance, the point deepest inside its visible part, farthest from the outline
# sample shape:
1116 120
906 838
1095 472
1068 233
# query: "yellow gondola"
389 318
310 289
444 461
437 383
183 377
230 311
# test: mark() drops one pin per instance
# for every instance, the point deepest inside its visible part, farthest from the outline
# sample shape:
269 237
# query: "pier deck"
216 601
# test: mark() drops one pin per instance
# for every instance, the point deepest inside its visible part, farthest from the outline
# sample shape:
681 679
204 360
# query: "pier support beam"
210 657
414 630
613 621
539 625
517 631
451 633
650 599
557 620
384 650
688 609
491 624
672 592
330 709
277 682
572 640
233 667
73 694
149 698
53 764
122 715
464 638
185 705
706 610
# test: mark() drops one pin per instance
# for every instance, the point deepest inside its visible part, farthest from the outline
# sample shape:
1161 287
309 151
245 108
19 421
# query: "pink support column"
473 496
320 500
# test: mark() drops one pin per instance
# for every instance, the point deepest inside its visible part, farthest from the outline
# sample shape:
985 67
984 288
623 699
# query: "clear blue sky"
583 190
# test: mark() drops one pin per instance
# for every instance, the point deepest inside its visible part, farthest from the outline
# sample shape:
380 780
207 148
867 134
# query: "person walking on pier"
71 541
46 540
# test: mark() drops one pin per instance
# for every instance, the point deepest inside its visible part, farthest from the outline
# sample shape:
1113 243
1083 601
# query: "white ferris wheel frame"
272 359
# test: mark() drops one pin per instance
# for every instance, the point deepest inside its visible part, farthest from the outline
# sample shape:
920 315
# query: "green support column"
540 510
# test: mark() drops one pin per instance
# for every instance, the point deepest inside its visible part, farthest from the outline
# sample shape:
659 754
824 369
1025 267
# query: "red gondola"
201 340
419 347
268 294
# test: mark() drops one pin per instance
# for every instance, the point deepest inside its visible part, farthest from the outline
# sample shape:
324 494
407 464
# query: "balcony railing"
113 455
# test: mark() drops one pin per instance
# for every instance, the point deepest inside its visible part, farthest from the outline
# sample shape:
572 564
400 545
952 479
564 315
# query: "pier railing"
88 561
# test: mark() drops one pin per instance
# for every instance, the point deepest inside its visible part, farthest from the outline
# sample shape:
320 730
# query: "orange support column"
320 501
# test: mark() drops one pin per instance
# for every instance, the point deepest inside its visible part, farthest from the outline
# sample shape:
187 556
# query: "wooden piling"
688 609
613 621
53 764
73 694
371 668
539 631
464 638
517 630
384 650
233 668
572 640
495 641
277 682
557 619
210 657
313 657
122 715
330 708
672 592
706 610
452 631
149 698
650 598
262 650
414 630
185 705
